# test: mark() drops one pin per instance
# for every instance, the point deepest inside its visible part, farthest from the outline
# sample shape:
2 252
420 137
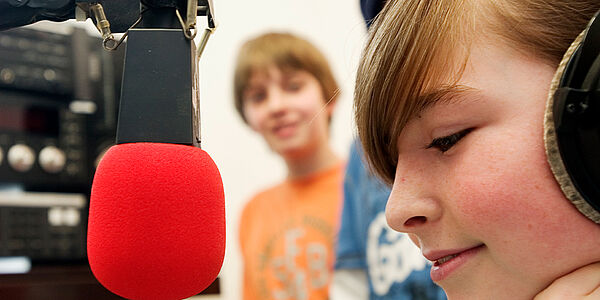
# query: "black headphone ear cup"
572 123
585 135
593 76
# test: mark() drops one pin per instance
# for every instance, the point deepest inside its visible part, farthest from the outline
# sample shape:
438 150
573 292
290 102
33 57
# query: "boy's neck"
307 165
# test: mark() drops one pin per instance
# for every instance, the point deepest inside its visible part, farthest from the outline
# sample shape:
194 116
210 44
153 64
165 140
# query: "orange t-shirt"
287 238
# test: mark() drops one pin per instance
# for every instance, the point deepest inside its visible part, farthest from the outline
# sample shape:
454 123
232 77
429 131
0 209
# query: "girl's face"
474 190
289 110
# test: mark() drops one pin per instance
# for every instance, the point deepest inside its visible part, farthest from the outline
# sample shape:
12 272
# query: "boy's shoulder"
265 197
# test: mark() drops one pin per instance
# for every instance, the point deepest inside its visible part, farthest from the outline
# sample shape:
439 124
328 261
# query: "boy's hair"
286 52
414 45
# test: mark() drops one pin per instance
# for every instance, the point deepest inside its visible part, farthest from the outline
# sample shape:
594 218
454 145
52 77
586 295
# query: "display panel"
29 119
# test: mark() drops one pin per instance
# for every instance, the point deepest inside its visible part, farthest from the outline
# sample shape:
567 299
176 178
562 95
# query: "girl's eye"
445 143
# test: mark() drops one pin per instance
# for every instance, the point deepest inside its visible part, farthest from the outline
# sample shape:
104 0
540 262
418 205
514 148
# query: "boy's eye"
293 85
255 97
445 143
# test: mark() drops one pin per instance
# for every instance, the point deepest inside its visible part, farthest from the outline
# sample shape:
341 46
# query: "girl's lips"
446 262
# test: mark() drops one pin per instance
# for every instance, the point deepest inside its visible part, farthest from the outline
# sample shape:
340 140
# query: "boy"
285 91
450 102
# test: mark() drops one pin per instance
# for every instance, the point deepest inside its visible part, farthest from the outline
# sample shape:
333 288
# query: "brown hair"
285 51
413 44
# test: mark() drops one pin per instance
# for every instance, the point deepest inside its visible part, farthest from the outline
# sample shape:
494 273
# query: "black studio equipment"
58 114
148 219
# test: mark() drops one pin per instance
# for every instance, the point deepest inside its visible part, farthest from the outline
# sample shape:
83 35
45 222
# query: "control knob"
20 157
52 159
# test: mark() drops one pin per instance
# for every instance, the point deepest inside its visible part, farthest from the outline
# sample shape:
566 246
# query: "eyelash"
447 142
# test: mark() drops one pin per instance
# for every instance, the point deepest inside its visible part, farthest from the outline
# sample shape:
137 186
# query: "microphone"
156 227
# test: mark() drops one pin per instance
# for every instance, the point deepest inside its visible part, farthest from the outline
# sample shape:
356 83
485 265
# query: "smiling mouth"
442 260
285 130
446 262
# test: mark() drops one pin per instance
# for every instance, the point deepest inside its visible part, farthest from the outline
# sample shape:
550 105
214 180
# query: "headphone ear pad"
572 141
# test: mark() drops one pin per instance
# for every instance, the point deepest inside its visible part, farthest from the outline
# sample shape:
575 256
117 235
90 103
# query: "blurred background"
336 27
50 228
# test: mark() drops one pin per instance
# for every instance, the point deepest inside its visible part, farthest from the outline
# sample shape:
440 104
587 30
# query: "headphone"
572 125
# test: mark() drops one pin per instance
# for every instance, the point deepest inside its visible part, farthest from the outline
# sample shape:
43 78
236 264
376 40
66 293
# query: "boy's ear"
330 106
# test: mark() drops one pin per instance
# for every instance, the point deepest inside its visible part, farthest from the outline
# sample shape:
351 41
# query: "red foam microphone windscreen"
156 227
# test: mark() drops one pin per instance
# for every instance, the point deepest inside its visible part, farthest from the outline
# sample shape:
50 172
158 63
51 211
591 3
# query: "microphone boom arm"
159 95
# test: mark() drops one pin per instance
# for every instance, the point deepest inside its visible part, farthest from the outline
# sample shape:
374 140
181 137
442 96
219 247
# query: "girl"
450 102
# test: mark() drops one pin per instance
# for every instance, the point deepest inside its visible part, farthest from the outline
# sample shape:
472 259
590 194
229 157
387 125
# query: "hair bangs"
411 47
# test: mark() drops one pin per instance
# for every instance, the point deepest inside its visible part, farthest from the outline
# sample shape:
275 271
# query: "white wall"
335 26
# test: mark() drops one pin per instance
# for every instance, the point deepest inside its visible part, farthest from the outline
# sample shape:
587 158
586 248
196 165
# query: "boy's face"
288 109
473 187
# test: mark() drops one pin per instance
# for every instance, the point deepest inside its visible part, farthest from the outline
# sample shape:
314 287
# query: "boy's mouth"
284 130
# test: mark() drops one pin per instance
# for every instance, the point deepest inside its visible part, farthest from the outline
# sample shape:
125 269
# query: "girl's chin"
490 288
